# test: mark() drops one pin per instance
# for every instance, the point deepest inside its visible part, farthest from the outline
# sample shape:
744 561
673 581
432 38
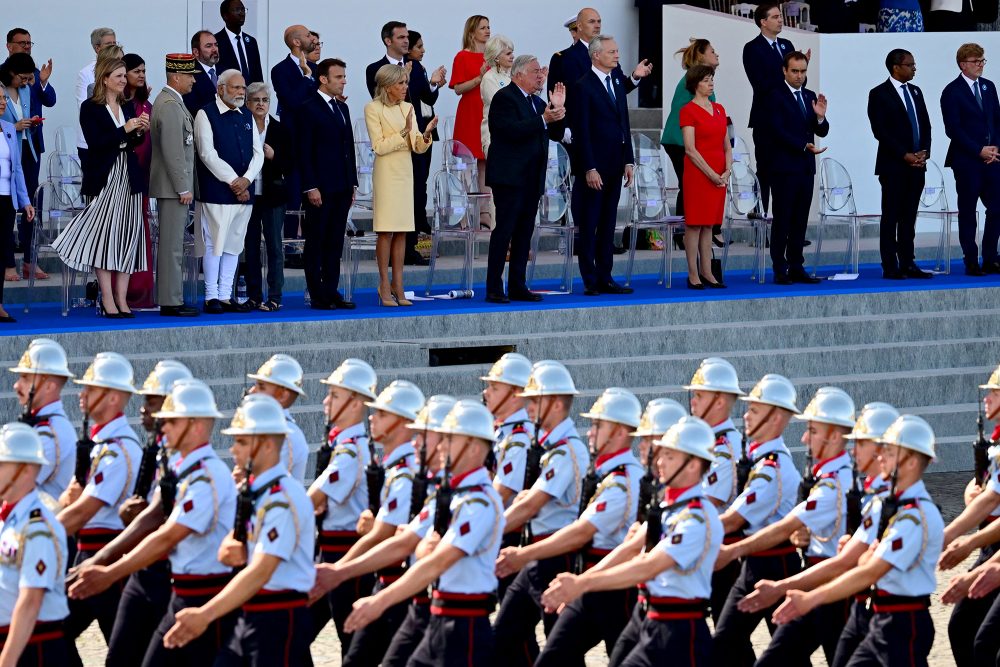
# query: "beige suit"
392 186
171 174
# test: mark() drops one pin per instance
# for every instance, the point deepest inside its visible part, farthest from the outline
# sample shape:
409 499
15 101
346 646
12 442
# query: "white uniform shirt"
113 470
824 511
477 523
912 544
59 444
564 463
993 481
720 481
84 80
691 535
512 439
344 481
400 467
206 503
283 526
871 511
772 487
295 451
32 555
613 508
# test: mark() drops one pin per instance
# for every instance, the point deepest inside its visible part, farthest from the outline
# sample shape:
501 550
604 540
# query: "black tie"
531 104
777 51
336 107
243 59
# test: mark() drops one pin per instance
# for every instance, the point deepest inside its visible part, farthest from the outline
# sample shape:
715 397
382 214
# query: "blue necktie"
975 91
802 104
912 113
777 51
336 107
611 92
243 59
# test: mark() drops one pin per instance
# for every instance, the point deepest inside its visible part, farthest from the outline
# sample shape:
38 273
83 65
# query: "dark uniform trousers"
679 643
731 643
143 603
630 636
338 603
275 638
200 652
454 641
368 645
584 623
792 195
409 635
901 638
854 632
508 540
722 581
521 610
793 643
102 607
901 190
973 640
47 646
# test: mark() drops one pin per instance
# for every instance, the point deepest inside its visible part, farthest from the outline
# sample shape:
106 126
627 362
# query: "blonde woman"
499 57
394 135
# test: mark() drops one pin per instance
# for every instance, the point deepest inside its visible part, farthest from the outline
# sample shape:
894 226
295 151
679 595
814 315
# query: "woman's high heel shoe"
104 312
391 301
679 241
401 298
692 285
125 314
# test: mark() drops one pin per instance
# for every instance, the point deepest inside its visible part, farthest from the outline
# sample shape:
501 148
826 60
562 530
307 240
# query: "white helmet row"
163 376
910 432
401 397
873 421
109 370
20 444
830 405
189 398
432 415
354 375
258 414
281 370
773 389
549 378
660 415
616 405
44 356
715 374
689 435
468 417
512 368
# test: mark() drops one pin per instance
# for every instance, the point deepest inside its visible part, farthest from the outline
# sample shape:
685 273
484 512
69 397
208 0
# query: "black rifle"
33 420
808 479
532 471
890 505
418 491
84 445
744 465
588 488
654 522
244 505
647 491
979 450
147 464
375 476
168 484
442 507
855 498
324 453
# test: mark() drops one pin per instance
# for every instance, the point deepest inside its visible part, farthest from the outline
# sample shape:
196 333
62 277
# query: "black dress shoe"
892 274
322 306
803 277
619 250
497 298
991 267
713 285
6 319
341 302
524 296
692 285
614 288
214 307
415 259
974 270
913 272
807 242
232 306
591 291
782 279
178 311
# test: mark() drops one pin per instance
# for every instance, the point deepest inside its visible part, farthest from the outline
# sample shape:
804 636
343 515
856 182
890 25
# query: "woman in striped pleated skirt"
108 235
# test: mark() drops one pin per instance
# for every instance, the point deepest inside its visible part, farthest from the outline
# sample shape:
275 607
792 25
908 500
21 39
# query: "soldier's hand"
365 611
189 624
71 494
800 538
972 489
131 508
766 593
561 591
239 474
842 542
986 582
955 553
796 604
90 580
509 562
428 544
365 523
726 556
958 587
328 577
232 552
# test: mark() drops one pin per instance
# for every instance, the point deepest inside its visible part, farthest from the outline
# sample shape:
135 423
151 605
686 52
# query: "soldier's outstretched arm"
567 587
627 550
135 532
800 603
392 551
523 509
75 517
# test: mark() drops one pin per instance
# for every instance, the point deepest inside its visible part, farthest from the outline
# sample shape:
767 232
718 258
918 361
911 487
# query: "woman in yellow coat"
394 134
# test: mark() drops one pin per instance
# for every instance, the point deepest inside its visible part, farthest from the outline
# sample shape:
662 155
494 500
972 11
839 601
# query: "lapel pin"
246 39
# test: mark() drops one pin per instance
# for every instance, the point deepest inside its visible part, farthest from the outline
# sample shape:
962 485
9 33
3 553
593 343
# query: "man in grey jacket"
172 180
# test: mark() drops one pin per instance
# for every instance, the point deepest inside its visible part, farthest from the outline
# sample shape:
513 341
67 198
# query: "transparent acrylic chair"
356 243
364 157
55 205
459 161
837 207
650 212
742 198
934 204
554 216
452 211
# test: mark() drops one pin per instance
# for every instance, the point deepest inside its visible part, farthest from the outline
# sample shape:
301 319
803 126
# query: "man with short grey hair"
99 38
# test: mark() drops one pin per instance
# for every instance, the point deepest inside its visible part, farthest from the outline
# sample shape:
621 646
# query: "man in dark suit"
602 158
763 59
396 39
329 179
794 115
971 114
521 125
205 48
900 123
238 50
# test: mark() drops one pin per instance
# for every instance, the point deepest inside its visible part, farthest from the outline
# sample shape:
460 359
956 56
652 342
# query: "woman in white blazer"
13 194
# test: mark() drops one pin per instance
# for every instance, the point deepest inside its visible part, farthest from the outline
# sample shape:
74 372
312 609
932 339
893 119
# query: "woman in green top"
699 52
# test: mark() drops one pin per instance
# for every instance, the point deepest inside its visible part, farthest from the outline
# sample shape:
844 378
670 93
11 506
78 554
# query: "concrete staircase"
923 351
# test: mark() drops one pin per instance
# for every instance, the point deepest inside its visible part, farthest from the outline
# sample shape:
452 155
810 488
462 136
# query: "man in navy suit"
205 49
971 114
238 50
521 125
763 60
602 158
794 115
329 180
900 123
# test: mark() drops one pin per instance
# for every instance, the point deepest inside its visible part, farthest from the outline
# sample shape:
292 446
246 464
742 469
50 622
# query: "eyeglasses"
979 61
259 100
23 44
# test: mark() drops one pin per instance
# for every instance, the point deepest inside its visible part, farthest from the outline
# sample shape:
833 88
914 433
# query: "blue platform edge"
45 318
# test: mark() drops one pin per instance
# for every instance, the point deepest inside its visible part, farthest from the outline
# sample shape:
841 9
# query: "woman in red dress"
466 74
140 285
708 158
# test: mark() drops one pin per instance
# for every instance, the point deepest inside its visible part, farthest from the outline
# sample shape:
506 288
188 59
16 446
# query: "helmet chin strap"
705 412
681 467
767 415
5 489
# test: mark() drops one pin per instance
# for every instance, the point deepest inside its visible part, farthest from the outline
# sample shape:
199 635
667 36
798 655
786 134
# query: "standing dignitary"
763 58
274 585
329 182
172 181
602 159
281 378
91 504
99 38
205 49
230 156
238 50
971 113
32 586
795 115
42 373
521 124
900 123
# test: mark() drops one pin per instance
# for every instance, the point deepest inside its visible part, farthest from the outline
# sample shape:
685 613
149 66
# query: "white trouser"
220 271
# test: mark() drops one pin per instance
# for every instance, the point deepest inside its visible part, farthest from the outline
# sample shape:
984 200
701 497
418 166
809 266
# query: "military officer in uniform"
553 502
767 498
281 378
901 568
601 526
875 418
91 512
340 492
199 519
822 510
462 560
41 374
514 431
274 627
677 572
32 558
714 389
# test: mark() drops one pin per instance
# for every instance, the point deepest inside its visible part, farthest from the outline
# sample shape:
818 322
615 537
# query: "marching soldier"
823 511
281 378
32 558
401 545
604 520
660 414
714 389
552 503
198 521
514 431
677 572
462 560
41 374
901 568
769 495
340 492
874 420
91 512
273 588
395 408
